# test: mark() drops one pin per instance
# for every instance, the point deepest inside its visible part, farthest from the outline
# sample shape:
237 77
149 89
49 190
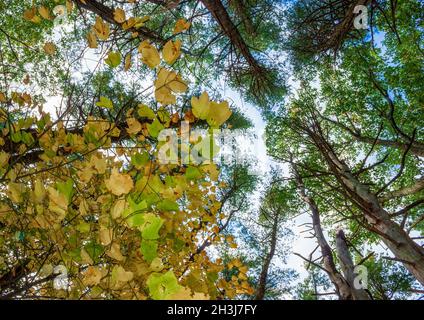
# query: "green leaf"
27 138
193 173
75 254
134 214
168 205
113 59
163 286
105 103
145 111
140 159
149 249
155 128
94 250
83 227
16 137
163 115
151 226
66 188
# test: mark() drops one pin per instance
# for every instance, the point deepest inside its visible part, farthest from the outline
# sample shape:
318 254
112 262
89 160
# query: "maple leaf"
181 25
171 51
150 55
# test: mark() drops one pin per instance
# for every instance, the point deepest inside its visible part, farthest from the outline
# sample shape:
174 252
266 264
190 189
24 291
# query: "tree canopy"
120 177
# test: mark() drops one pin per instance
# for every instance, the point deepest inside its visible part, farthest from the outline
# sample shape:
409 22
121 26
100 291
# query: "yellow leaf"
49 48
16 191
156 265
129 23
119 183
113 59
218 113
30 14
150 55
39 191
105 103
186 294
92 40
171 51
201 106
44 12
119 274
105 236
58 198
139 21
119 15
92 276
164 95
102 29
133 126
85 257
84 208
166 83
69 6
2 97
99 164
4 159
46 270
86 174
118 208
115 252
181 25
127 62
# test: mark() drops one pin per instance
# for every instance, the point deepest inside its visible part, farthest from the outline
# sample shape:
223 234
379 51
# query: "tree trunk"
220 14
343 289
396 239
260 291
348 267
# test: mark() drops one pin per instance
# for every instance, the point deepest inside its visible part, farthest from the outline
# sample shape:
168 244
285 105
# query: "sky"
303 246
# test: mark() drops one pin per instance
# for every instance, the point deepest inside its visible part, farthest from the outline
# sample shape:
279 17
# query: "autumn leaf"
119 15
104 103
49 48
127 62
92 40
218 113
149 249
155 128
181 25
44 12
101 29
92 276
115 252
151 226
150 55
144 111
186 294
119 183
134 126
163 286
201 106
118 208
121 275
171 51
166 84
113 59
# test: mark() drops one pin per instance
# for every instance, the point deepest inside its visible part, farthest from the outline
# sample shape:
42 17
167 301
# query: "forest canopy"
122 130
